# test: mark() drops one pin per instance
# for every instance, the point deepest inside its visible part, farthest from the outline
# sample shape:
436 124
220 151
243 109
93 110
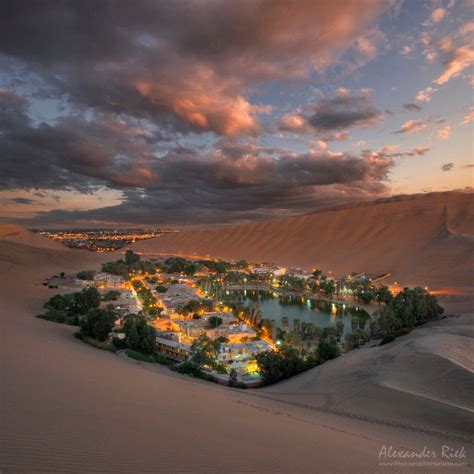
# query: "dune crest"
423 240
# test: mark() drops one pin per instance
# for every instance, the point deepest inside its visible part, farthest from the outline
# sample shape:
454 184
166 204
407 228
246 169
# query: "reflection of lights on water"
227 292
333 309
245 292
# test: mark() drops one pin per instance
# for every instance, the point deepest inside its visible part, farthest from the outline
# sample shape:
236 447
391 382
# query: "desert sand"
67 407
425 240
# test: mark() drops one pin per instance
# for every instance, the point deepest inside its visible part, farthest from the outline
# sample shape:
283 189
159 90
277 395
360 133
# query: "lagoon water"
320 313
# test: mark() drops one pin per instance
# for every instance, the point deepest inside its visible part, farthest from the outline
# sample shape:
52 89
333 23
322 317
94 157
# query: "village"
181 312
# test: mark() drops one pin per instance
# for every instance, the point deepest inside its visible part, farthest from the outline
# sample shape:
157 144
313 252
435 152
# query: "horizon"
158 114
337 207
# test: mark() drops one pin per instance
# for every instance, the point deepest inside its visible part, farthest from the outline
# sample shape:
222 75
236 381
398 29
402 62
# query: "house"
240 356
172 349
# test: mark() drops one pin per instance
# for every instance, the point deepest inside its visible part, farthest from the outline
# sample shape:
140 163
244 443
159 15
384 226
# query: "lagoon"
320 313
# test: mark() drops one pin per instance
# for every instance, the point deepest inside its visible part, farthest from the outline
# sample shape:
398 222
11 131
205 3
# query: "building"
275 270
240 356
172 349
106 280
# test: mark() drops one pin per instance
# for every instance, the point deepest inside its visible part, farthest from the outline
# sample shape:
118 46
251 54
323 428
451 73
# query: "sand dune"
423 240
18 234
67 407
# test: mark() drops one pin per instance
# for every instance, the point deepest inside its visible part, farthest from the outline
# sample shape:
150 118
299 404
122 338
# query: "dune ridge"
423 240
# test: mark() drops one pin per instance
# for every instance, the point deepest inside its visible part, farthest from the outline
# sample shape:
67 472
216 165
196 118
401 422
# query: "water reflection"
321 313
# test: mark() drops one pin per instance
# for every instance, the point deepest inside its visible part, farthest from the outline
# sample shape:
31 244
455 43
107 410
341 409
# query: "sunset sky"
187 112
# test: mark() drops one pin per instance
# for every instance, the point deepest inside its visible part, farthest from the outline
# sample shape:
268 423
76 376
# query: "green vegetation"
138 356
355 339
214 321
104 346
410 308
161 289
69 308
195 306
190 368
233 382
288 361
98 323
112 295
139 336
276 366
131 263
86 275
327 350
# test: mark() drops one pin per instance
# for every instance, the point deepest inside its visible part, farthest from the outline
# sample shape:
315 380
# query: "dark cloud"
185 64
21 200
413 107
135 79
223 185
447 166
331 118
73 153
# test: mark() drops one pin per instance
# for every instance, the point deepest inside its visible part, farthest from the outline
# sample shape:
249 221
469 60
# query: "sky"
211 112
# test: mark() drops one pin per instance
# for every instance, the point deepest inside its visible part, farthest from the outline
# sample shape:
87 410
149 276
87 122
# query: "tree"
328 286
98 323
355 339
131 257
204 352
112 295
86 275
384 321
292 339
233 378
366 296
317 273
276 366
383 295
214 321
139 336
190 269
88 298
339 330
161 289
327 349
57 302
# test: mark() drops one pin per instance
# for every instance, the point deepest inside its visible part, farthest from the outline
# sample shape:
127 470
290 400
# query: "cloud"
390 151
413 107
333 117
468 117
447 166
436 16
412 126
21 200
457 59
222 188
189 66
164 182
425 94
444 132
73 153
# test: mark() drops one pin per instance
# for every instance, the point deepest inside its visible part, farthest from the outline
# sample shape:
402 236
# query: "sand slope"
66 407
422 239
18 234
